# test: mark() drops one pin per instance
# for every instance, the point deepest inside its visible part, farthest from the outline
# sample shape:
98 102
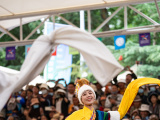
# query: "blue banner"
119 42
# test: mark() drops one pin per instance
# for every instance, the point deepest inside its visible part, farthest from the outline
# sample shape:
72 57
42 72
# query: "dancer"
87 96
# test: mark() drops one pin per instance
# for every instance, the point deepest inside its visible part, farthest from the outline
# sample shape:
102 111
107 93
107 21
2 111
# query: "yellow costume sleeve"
131 92
83 114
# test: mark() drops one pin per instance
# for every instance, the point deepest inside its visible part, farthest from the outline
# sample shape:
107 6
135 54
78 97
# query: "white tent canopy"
25 8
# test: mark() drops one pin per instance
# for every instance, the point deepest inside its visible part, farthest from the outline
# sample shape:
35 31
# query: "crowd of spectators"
41 102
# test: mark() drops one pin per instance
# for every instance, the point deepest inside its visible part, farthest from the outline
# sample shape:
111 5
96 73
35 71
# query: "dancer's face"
88 97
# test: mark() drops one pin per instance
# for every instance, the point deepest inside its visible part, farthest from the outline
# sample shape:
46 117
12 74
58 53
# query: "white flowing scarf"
98 58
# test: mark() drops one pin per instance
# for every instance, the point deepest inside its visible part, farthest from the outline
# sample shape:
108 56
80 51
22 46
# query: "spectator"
134 113
152 88
114 99
35 91
102 103
61 102
144 112
74 107
154 106
142 95
136 104
35 110
121 85
99 89
70 91
129 77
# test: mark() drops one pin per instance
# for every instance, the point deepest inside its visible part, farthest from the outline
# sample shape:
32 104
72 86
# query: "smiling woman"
87 96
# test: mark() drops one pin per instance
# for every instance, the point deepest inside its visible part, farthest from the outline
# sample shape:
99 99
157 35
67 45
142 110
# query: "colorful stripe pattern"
93 117
103 115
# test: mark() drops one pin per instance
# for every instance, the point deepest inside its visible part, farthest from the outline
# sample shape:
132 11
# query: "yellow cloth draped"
131 92
83 114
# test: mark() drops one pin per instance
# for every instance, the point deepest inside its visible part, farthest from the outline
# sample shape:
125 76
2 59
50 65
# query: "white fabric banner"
98 58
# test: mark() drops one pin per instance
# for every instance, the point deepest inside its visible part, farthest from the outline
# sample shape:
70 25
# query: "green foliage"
148 56
20 50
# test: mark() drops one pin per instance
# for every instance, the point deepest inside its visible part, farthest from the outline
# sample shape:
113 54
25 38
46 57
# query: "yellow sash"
131 93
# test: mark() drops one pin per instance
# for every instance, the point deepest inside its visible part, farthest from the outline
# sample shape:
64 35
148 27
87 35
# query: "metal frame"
150 28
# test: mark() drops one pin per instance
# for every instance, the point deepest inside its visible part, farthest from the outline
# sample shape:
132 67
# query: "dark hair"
71 83
130 75
29 90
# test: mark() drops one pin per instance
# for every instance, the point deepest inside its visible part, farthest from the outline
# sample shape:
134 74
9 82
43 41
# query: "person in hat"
61 102
131 76
136 104
134 113
121 85
144 111
35 110
45 99
87 96
154 106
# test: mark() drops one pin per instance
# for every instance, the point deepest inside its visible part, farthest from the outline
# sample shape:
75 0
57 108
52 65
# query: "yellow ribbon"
131 93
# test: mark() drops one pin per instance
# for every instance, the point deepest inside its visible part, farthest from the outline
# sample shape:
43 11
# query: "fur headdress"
81 86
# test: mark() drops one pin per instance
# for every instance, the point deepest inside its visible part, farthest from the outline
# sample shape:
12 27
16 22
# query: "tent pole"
106 21
21 30
89 20
157 8
143 15
125 17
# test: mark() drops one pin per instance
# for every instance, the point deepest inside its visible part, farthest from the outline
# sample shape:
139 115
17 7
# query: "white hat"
43 85
81 91
144 107
61 86
61 90
121 80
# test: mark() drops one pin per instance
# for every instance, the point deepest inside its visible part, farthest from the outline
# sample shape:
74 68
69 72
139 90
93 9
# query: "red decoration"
120 58
55 52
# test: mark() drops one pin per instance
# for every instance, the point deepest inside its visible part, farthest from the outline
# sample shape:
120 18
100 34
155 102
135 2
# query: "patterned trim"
93 117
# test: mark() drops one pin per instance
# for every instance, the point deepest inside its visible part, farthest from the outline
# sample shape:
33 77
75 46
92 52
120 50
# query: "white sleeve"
114 115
